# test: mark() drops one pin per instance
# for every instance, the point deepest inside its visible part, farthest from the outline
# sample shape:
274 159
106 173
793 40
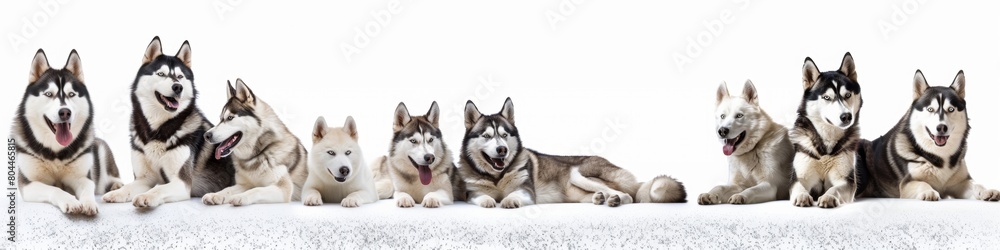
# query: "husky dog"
760 154
419 164
170 158
61 162
337 170
825 135
495 167
922 157
269 160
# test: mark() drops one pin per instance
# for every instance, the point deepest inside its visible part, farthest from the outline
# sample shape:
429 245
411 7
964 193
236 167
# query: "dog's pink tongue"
63 135
425 174
728 149
940 140
218 151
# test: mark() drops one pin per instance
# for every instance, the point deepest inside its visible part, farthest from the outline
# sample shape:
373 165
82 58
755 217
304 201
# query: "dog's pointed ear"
750 92
73 65
400 118
351 128
919 84
39 64
508 110
230 91
959 84
847 67
472 115
319 129
433 114
185 54
722 93
244 94
153 50
810 74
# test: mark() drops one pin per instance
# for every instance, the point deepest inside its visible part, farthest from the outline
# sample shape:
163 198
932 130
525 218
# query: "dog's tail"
662 189
105 172
383 184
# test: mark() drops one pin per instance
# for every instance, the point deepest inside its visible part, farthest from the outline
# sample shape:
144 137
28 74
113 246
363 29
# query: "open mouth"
63 135
338 179
940 141
424 171
496 163
169 103
729 145
226 147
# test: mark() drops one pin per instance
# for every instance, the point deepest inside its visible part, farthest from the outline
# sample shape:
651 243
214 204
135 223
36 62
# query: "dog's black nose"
845 117
941 129
64 114
429 158
208 135
177 88
502 150
723 132
344 171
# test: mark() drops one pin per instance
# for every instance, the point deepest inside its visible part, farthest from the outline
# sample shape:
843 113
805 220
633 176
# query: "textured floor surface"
868 224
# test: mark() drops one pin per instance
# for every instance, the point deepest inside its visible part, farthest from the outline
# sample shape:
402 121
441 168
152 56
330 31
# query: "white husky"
337 169
760 154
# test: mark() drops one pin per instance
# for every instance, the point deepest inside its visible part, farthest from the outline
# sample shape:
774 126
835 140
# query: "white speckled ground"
866 224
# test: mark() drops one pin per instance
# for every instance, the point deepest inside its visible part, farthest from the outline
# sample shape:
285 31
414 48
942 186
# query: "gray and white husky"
825 136
759 152
170 158
923 156
419 168
270 161
59 159
495 167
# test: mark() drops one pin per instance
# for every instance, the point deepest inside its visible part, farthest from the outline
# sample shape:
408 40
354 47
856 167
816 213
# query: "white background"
600 62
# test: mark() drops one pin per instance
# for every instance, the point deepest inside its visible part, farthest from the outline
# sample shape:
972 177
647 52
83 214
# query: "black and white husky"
270 161
495 167
923 156
419 168
59 159
170 158
825 135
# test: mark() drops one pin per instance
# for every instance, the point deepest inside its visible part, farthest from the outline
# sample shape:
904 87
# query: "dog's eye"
330 152
414 141
230 118
723 116
487 136
72 94
739 116
346 153
827 98
160 74
180 76
848 95
48 94
930 110
430 140
951 110
503 136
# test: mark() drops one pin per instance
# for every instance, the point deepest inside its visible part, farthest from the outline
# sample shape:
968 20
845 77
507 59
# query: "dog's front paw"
738 199
350 202
431 202
404 201
88 208
708 199
990 195
803 200
614 200
146 200
115 186
68 206
116 196
828 201
240 200
213 199
599 198
313 200
510 202
487 203
929 195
